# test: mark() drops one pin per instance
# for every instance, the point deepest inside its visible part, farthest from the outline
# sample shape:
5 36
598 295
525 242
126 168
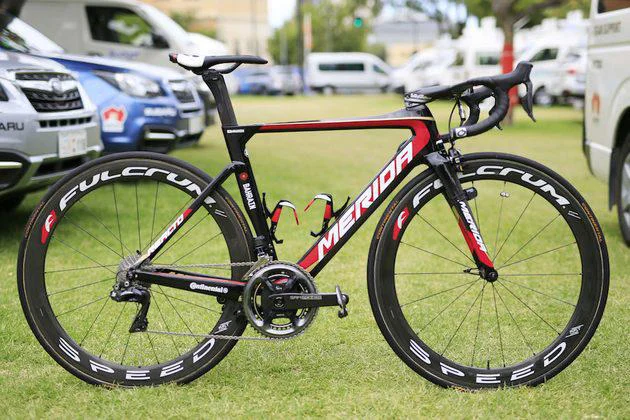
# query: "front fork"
457 198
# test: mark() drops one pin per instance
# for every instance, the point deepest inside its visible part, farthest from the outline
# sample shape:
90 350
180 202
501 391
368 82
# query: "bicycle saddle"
198 63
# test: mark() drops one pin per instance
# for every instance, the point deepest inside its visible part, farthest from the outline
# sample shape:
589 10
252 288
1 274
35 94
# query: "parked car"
607 107
333 72
128 30
568 83
425 68
548 55
48 125
140 106
270 80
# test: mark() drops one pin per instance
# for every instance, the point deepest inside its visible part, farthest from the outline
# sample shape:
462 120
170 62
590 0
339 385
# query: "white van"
607 107
425 68
346 71
123 29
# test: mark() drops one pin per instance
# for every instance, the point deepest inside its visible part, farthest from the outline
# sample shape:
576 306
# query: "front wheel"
84 235
454 327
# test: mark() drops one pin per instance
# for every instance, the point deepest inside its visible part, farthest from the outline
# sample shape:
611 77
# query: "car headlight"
132 84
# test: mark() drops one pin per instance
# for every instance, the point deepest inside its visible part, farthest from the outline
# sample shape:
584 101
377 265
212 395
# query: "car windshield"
17 35
165 23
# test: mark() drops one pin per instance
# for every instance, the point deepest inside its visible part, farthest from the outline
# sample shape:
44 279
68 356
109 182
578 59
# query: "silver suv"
48 125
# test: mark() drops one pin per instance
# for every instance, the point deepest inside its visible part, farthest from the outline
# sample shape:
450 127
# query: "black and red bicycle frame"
423 147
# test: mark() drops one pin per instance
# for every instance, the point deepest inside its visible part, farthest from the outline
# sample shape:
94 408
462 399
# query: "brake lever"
527 101
498 125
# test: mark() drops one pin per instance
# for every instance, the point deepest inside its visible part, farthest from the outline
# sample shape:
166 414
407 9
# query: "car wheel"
542 97
328 90
623 190
11 202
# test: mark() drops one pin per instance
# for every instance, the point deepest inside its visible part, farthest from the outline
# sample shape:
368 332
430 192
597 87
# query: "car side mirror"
159 41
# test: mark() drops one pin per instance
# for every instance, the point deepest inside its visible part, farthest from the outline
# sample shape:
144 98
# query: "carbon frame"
410 153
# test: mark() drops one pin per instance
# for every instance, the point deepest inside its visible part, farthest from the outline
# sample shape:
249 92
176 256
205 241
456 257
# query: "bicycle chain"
215 336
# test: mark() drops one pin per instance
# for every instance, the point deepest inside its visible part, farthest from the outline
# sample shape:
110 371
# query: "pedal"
274 216
329 211
342 301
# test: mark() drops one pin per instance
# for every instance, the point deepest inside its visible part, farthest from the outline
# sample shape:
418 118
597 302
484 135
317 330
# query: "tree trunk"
507 65
504 11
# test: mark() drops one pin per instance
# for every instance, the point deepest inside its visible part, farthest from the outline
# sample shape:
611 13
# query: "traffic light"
358 22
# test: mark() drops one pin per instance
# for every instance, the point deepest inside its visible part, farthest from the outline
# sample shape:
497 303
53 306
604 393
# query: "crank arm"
207 285
308 300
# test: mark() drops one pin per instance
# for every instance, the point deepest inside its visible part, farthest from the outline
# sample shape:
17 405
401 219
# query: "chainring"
268 317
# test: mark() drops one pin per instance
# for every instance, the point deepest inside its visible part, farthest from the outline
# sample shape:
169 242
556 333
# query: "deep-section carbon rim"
76 244
459 330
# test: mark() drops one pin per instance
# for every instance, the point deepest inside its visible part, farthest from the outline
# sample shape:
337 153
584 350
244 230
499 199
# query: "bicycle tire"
120 173
434 361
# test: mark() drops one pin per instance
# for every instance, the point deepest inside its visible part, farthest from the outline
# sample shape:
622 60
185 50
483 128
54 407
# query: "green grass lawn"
339 368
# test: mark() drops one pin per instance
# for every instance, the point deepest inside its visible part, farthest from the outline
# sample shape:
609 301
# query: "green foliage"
334 29
185 19
535 10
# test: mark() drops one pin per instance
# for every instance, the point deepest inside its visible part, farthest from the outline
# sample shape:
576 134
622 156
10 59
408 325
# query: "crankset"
281 300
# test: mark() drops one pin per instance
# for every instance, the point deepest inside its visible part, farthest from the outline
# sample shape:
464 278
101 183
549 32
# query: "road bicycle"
140 269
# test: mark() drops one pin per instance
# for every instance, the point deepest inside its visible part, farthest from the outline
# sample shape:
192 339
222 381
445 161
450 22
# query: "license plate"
196 125
72 143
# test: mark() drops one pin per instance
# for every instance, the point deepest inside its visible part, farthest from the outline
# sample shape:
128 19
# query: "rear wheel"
457 329
80 238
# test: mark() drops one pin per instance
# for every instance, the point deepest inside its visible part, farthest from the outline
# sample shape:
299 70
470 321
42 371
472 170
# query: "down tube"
364 205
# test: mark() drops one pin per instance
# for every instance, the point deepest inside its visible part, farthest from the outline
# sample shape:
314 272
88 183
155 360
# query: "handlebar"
497 86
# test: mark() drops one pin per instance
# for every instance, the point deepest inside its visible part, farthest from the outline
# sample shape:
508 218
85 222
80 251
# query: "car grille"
48 100
182 91
64 122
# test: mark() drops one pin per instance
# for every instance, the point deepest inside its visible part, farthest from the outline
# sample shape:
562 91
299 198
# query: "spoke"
165 324
540 274
539 292
476 210
439 293
155 200
181 236
122 360
447 240
436 273
496 312
91 267
187 301
117 218
472 360
532 238
447 306
76 225
515 323
83 306
103 224
153 347
109 336
89 258
496 238
434 254
177 312
138 217
79 287
198 247
514 227
538 255
463 320
533 311
93 322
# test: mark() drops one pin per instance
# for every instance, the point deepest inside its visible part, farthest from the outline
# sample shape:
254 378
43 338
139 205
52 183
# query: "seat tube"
216 83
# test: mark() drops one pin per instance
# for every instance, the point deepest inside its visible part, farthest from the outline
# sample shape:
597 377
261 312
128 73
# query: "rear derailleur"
126 289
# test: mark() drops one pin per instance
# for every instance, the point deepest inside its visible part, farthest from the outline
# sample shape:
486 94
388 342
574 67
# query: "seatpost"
217 86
